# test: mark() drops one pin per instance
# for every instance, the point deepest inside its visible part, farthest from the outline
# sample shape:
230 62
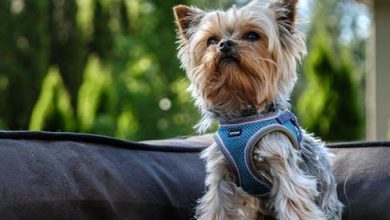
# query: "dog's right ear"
286 13
187 18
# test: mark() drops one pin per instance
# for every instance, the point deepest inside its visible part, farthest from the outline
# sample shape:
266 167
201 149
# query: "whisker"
267 60
219 18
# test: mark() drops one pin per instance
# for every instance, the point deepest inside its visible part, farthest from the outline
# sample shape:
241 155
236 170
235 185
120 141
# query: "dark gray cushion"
79 176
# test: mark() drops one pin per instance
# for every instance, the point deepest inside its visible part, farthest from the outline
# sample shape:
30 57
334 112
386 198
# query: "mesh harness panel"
236 140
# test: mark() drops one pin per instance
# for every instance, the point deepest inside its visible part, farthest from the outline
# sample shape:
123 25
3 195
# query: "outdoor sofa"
82 176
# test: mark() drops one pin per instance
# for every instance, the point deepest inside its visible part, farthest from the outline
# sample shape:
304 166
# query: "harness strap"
237 139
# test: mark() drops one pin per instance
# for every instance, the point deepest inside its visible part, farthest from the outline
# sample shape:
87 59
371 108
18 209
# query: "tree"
123 76
329 106
24 52
99 66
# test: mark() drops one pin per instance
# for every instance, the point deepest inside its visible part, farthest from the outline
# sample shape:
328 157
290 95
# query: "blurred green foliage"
330 104
388 134
110 67
101 66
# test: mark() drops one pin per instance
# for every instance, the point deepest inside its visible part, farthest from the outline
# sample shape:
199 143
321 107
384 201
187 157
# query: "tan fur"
257 73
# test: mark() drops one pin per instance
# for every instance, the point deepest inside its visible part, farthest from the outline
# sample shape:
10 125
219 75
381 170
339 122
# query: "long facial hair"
228 88
261 72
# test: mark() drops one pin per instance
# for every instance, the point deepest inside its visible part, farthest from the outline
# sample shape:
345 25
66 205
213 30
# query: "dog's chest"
236 139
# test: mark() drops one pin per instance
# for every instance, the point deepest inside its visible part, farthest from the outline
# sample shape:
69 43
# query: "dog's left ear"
286 13
187 18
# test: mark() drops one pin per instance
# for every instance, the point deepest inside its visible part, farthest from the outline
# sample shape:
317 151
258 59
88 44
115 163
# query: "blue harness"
237 138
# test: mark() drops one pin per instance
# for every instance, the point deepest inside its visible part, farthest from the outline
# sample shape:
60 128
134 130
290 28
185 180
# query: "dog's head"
242 58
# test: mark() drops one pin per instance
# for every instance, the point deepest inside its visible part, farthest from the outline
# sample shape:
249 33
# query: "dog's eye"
251 36
212 41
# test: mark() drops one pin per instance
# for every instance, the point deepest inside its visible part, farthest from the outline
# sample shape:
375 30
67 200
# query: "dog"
241 64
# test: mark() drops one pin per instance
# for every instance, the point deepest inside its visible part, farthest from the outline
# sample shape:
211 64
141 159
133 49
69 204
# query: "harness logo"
235 132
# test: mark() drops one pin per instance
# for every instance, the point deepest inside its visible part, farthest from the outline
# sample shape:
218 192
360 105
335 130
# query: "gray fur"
303 186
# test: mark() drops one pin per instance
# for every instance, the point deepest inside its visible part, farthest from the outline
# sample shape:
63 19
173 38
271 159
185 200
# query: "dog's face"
240 59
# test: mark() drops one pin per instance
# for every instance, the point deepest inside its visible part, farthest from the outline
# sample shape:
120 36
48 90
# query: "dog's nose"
226 46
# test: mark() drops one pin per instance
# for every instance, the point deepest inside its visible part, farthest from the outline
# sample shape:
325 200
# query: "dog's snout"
226 46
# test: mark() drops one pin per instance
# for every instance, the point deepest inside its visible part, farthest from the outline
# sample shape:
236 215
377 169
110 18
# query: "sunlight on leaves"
54 99
96 79
85 15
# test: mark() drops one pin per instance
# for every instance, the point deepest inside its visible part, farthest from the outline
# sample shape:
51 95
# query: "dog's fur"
259 70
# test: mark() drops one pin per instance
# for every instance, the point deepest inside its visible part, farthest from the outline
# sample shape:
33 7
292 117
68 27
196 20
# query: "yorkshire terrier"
242 67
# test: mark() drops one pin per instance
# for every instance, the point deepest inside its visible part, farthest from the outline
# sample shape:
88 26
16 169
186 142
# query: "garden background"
109 67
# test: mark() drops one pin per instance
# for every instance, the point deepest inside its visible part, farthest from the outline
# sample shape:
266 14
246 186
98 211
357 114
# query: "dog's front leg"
223 200
293 191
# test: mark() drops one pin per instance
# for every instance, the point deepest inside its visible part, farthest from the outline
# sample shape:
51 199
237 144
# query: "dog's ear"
187 18
286 13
